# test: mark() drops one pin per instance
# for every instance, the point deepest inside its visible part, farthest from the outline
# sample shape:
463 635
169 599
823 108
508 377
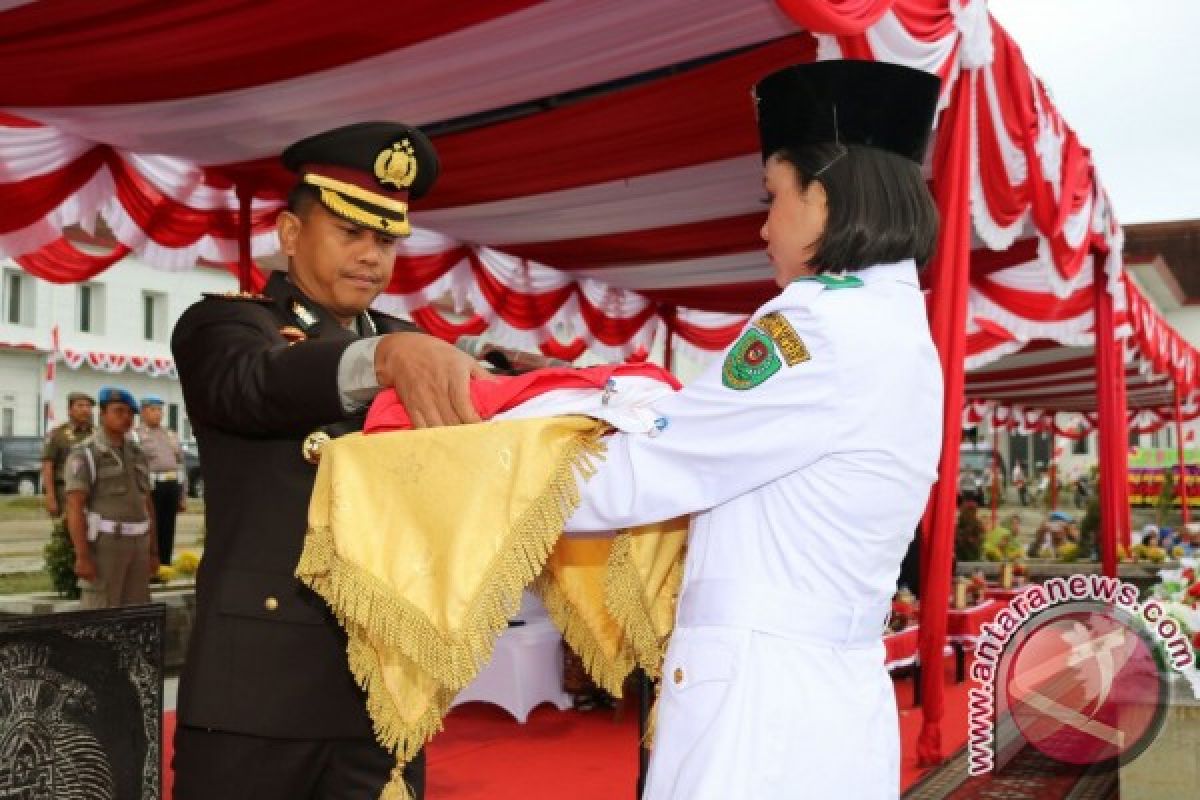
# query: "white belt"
98 525
163 477
782 612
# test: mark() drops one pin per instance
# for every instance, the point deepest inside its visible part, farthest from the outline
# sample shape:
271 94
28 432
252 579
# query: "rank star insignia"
750 361
292 334
306 317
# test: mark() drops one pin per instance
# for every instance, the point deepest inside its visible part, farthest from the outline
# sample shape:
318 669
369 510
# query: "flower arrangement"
1067 552
1178 590
165 574
186 563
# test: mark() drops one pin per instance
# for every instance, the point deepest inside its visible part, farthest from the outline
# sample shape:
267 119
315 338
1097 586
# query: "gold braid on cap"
357 192
360 216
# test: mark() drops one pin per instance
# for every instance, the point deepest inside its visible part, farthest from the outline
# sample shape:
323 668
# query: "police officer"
267 705
110 516
58 446
168 475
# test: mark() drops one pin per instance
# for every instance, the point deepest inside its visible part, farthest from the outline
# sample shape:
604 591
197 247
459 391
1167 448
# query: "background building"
114 329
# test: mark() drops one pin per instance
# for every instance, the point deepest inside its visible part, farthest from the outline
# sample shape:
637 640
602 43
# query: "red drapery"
843 17
62 262
1112 432
950 275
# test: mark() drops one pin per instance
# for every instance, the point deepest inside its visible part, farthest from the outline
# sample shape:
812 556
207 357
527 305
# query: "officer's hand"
152 565
432 378
182 503
85 568
52 505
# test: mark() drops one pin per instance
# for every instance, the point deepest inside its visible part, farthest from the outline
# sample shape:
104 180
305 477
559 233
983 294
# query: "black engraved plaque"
81 705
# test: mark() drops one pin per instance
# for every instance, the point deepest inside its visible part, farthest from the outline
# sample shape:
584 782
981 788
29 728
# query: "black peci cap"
870 103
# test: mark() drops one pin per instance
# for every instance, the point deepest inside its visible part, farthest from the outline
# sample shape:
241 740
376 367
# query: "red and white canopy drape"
585 225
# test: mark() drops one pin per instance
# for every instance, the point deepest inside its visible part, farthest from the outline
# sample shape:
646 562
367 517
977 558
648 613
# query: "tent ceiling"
601 172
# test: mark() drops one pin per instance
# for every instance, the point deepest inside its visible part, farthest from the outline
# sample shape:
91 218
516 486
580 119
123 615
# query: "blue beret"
152 400
115 394
1060 516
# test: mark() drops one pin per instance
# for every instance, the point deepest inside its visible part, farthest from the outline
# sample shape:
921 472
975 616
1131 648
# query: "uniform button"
678 676
270 604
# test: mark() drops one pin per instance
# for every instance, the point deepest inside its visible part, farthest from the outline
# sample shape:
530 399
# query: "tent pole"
245 196
1053 468
996 481
951 272
668 315
1112 424
1183 474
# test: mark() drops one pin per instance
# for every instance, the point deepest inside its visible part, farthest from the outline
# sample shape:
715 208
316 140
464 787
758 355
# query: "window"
173 416
18 298
187 430
89 308
154 316
1080 446
7 422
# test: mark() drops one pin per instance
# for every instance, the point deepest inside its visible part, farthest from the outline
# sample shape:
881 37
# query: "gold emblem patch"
397 165
791 346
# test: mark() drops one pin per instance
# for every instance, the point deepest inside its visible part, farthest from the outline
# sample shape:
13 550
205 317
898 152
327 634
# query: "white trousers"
749 715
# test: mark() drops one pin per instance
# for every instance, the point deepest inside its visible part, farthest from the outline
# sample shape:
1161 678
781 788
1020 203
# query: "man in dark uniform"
267 705
58 446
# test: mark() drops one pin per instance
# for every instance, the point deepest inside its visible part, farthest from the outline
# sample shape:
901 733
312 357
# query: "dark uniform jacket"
266 656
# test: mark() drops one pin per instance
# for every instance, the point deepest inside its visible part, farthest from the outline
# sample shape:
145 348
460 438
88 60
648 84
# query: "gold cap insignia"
397 165
311 449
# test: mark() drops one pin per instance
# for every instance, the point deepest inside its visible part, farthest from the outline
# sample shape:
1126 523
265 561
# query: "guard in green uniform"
58 445
110 515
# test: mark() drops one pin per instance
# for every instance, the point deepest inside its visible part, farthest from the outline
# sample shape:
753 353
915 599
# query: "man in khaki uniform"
58 446
168 475
109 512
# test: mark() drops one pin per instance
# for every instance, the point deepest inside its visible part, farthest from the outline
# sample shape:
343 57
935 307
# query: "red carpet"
484 755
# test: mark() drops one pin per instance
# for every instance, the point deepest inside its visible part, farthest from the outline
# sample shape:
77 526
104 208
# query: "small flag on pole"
48 382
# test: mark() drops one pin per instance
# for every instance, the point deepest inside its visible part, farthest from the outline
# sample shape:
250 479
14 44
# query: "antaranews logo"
1082 668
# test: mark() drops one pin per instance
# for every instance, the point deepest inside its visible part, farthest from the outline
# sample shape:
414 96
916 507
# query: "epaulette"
253 297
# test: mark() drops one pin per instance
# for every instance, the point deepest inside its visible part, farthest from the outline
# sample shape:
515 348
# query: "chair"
526 666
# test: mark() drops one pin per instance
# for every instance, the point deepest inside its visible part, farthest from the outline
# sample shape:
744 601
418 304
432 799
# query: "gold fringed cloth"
422 542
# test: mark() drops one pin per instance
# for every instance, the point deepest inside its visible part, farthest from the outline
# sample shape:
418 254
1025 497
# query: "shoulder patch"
253 297
750 361
776 325
835 281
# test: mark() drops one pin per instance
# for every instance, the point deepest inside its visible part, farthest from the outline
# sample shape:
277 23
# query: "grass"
25 582
16 507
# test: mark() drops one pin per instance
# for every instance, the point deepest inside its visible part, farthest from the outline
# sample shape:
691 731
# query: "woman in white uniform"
805 456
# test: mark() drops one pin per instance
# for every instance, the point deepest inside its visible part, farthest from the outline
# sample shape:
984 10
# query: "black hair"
302 198
880 209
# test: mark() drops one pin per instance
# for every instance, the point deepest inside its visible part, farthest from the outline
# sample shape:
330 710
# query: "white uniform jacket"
805 456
